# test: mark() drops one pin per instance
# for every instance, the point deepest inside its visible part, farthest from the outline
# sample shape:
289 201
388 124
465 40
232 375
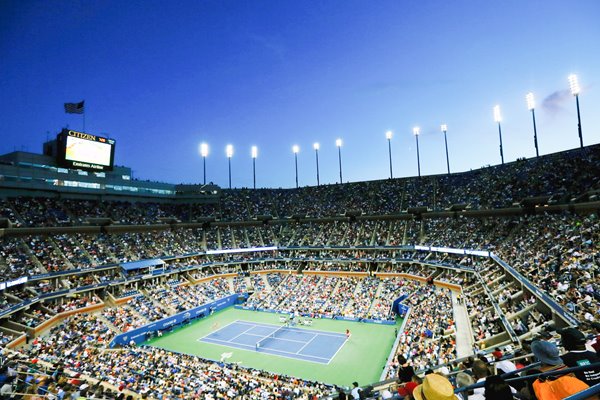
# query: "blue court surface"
302 344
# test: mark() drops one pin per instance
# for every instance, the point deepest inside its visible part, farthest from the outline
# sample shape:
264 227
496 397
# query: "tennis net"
271 335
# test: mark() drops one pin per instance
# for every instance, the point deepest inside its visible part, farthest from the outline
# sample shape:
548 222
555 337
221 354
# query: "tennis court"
359 359
302 344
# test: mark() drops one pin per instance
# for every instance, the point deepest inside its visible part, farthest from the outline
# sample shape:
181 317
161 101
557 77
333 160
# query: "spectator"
596 343
481 372
463 380
405 371
355 391
341 394
548 355
497 389
435 387
497 353
577 355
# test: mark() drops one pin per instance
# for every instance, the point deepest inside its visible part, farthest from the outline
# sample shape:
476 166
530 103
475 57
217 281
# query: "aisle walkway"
464 338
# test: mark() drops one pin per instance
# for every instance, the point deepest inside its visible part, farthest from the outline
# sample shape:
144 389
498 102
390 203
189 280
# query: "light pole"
574 83
338 143
296 149
316 147
445 129
416 131
388 136
531 107
204 154
254 153
229 152
498 119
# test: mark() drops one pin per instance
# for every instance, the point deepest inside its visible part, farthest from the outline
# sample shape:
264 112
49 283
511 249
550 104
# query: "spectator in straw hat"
435 387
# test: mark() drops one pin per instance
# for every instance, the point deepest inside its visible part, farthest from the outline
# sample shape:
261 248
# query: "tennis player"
348 334
215 326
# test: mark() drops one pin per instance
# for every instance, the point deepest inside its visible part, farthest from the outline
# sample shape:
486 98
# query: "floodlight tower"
229 153
531 106
316 146
388 136
416 132
574 84
295 150
254 154
204 154
444 128
338 143
498 119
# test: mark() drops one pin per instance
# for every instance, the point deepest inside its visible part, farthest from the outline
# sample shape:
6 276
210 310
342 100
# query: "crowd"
427 339
557 252
563 264
486 377
79 346
562 175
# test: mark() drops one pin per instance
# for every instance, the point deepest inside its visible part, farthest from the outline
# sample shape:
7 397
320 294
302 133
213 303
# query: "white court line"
254 325
285 340
254 334
247 323
267 351
306 344
307 330
231 323
338 350
233 338
226 343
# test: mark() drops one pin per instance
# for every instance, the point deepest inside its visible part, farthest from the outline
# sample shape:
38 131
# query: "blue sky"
160 77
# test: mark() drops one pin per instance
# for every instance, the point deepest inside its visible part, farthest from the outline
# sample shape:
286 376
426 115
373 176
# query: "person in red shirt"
407 388
497 353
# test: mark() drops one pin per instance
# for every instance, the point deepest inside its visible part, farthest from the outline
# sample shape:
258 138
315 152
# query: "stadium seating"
538 216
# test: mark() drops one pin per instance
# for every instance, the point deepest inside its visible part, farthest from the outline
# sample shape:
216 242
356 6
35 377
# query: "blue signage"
139 335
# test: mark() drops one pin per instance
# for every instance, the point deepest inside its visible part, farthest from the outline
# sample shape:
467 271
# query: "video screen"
88 151
85 151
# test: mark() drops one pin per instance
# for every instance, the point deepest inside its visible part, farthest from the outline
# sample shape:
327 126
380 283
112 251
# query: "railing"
533 376
586 394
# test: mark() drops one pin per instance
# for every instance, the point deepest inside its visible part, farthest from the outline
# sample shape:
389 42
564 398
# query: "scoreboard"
79 150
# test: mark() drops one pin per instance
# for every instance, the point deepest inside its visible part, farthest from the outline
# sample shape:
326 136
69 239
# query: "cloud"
554 102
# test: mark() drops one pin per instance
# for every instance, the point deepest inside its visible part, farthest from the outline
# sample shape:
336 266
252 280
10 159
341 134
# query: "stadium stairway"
464 335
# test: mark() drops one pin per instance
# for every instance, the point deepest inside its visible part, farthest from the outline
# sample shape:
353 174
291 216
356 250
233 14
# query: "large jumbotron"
119 288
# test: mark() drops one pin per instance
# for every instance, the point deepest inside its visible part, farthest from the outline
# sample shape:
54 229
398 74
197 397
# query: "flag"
74 108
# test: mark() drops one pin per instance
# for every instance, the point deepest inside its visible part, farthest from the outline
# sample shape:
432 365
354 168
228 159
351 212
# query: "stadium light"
316 146
338 143
575 89
574 84
229 153
444 128
254 153
296 149
498 119
531 107
388 136
416 132
204 154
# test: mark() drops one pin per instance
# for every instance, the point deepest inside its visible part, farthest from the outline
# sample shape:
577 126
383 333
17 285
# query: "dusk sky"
160 77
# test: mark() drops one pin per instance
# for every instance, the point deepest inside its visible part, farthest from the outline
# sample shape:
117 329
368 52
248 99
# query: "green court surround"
361 359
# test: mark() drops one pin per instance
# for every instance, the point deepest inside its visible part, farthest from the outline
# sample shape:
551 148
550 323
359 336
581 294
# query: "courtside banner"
139 335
